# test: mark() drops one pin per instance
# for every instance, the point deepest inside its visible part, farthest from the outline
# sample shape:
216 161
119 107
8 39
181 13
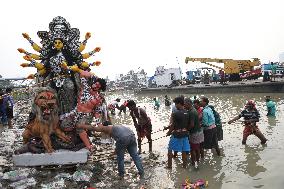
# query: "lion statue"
46 122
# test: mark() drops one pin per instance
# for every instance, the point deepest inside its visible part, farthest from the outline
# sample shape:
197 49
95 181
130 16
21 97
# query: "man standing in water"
125 140
199 109
156 103
179 127
270 106
218 123
167 101
251 116
209 127
196 136
142 124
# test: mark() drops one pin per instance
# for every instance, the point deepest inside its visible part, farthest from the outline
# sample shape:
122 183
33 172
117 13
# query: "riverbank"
231 87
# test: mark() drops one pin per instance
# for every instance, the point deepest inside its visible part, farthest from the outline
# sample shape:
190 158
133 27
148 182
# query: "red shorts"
248 130
194 146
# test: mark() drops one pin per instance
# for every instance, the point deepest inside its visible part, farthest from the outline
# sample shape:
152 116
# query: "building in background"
132 80
141 79
281 57
166 77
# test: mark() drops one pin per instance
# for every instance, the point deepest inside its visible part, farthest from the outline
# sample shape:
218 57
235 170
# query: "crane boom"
212 65
230 66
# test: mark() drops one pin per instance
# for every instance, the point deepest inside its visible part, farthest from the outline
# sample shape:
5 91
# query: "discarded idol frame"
65 87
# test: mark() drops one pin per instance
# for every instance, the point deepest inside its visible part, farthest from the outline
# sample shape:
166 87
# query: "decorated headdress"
59 23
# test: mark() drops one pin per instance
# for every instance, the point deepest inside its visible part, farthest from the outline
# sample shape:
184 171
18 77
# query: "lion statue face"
46 106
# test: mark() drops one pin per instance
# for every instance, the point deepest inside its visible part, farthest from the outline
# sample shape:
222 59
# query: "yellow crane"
231 67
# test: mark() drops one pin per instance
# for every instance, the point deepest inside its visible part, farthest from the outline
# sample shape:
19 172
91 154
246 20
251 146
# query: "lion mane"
45 108
48 111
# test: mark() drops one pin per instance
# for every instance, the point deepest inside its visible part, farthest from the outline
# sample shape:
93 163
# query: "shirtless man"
142 123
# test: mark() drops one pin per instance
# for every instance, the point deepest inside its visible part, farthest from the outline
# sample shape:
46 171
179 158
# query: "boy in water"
251 116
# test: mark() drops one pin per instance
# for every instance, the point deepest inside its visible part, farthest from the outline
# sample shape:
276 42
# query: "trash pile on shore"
99 172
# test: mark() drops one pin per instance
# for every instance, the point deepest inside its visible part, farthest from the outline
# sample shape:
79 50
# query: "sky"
145 34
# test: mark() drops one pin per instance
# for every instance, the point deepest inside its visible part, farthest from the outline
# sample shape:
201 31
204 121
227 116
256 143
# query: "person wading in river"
209 127
251 116
271 109
142 124
179 131
196 136
199 109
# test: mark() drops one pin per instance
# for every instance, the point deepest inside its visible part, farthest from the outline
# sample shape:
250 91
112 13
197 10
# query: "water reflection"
271 121
251 166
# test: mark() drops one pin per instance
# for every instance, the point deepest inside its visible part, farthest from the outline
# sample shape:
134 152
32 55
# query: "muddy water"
241 166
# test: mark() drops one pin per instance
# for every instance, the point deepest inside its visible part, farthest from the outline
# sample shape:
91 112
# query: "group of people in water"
195 126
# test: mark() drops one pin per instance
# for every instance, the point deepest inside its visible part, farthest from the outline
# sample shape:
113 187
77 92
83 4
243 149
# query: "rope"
154 139
92 160
157 131
238 121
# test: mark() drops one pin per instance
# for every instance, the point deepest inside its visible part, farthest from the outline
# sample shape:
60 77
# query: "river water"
240 166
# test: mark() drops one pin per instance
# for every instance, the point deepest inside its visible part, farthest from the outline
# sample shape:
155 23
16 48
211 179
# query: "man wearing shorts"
178 130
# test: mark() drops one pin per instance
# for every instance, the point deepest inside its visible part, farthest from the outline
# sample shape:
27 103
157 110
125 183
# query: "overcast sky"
148 33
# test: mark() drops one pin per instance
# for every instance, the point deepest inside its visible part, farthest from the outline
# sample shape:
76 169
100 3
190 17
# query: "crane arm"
230 66
212 65
204 60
